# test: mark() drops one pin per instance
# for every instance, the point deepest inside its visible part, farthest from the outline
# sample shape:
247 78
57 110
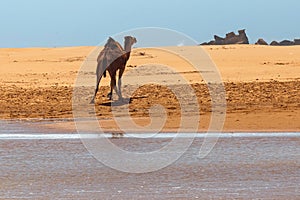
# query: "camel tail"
104 65
101 69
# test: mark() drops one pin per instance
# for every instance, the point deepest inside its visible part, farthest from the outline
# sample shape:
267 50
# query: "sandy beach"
262 86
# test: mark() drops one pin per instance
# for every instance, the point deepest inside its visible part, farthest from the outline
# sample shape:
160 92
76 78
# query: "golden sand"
262 85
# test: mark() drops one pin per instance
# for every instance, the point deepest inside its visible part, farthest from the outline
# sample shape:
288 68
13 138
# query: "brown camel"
113 58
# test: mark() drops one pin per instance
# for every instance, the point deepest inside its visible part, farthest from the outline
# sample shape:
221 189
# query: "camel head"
129 41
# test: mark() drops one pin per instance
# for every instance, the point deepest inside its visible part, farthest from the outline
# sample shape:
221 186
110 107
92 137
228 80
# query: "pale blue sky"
49 23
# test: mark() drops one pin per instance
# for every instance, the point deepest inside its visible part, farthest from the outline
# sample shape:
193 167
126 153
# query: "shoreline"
226 135
62 125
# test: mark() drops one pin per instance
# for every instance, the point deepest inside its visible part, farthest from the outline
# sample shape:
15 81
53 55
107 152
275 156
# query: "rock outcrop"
261 42
241 38
297 41
231 38
286 43
274 43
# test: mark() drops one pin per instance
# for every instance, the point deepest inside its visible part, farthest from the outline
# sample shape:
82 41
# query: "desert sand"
262 86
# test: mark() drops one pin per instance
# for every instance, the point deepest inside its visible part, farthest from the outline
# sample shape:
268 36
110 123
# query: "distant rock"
297 41
261 42
274 43
241 38
286 43
204 43
231 38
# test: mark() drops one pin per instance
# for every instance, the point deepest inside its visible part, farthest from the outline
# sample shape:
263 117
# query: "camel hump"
109 42
112 44
110 39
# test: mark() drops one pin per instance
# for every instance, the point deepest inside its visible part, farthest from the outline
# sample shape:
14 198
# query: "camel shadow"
122 102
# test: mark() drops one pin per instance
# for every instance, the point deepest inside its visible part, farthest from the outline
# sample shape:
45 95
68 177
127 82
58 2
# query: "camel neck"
127 47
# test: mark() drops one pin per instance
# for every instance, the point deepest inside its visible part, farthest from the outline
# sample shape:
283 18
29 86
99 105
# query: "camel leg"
96 90
121 71
99 76
112 85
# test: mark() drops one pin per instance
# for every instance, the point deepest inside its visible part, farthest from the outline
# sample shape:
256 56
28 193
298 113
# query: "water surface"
57 166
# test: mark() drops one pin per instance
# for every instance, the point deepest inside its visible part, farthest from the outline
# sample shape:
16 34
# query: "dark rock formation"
231 38
241 38
274 43
261 42
286 43
297 41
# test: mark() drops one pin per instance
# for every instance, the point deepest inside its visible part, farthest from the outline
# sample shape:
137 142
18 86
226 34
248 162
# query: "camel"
113 58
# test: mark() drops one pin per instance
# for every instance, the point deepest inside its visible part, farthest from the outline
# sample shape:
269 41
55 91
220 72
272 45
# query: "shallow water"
55 166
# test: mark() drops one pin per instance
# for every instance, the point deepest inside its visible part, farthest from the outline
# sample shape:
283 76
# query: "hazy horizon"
34 23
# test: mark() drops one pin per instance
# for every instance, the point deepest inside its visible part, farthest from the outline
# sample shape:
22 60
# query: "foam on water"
36 136
14 130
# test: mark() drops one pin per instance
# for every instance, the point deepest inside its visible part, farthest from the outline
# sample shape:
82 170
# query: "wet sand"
255 106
